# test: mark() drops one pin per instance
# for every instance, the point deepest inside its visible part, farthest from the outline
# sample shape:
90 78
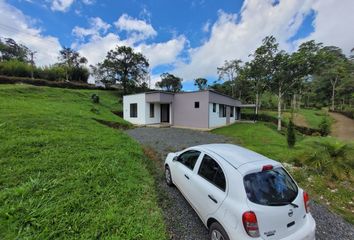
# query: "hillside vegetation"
64 175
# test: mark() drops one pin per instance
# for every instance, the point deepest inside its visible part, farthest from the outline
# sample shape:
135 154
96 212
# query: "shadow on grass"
116 125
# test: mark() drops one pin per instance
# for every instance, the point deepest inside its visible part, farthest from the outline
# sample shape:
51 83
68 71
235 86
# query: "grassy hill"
64 175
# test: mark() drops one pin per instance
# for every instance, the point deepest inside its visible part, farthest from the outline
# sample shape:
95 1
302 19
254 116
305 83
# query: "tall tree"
335 68
201 83
11 50
229 72
123 66
170 82
72 61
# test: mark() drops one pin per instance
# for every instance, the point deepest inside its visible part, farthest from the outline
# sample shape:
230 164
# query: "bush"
95 98
291 138
325 127
15 68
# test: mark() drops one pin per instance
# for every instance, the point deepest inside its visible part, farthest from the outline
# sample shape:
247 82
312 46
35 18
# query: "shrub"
325 127
291 138
329 158
95 98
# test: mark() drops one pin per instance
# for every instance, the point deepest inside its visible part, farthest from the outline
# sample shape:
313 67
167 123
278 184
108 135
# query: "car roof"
235 155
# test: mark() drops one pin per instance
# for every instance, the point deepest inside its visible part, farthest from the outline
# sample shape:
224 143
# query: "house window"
196 104
222 110
152 110
214 107
133 110
231 111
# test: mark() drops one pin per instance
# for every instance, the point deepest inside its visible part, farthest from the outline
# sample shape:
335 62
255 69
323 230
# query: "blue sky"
189 38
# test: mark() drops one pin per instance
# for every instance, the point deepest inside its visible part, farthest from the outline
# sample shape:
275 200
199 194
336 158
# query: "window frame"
222 110
152 110
195 164
214 107
220 168
131 110
196 104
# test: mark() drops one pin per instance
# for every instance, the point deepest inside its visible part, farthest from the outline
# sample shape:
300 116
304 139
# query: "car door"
183 170
208 187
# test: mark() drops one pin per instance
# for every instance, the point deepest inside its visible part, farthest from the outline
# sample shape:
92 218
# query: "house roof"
172 93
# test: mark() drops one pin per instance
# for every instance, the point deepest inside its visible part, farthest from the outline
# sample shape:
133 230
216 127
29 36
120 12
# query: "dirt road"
343 128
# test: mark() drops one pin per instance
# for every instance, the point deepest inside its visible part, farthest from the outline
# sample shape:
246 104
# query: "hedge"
43 82
349 114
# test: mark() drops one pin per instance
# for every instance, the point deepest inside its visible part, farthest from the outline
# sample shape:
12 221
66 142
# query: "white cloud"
88 2
158 53
61 5
16 25
97 25
236 36
136 29
206 26
333 24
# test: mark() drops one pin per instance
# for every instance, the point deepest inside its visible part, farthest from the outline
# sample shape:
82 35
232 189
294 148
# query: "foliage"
122 65
65 176
73 65
10 50
95 98
325 127
170 82
15 68
291 138
201 83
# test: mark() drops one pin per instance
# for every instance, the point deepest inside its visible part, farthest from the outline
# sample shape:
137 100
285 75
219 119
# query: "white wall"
157 114
215 120
140 100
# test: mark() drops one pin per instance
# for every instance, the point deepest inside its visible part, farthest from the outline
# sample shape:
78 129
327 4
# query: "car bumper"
307 232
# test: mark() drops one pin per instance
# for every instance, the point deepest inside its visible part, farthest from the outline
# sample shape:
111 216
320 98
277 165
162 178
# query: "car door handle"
186 176
212 198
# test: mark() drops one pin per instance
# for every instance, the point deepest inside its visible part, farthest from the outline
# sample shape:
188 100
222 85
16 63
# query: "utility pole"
32 62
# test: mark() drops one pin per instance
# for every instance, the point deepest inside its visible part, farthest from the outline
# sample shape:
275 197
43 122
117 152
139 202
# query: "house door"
165 113
227 115
238 113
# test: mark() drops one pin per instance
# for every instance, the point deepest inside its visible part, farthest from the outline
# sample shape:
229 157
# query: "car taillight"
249 220
307 202
267 167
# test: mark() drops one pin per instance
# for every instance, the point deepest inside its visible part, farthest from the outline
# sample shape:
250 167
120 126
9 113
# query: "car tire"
217 232
168 176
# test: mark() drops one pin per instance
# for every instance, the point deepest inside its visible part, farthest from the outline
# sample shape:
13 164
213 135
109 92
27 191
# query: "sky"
188 38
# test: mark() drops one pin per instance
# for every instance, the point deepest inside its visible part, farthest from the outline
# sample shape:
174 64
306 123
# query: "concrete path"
343 128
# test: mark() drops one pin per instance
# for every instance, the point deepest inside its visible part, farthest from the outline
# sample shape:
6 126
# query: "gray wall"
184 113
159 97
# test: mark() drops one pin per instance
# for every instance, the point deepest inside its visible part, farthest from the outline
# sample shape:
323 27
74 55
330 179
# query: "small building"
201 109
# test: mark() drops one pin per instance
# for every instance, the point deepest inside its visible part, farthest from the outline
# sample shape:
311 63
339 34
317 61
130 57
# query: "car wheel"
217 232
168 176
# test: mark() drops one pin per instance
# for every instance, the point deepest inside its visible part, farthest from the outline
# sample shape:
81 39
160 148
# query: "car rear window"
272 187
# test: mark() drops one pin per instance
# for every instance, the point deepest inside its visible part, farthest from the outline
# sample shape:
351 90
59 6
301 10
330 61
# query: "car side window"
212 172
189 158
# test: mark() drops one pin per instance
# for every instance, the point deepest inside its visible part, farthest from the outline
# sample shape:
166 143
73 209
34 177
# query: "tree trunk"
279 109
333 92
257 102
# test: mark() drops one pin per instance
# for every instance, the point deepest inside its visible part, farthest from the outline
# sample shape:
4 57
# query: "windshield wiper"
282 203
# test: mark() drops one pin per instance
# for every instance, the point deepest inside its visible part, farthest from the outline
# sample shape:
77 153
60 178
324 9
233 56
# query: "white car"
240 194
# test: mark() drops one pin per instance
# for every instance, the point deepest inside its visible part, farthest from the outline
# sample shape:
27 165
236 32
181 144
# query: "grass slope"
265 139
64 175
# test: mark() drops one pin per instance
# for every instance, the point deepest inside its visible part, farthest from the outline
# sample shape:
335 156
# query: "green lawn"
263 138
64 175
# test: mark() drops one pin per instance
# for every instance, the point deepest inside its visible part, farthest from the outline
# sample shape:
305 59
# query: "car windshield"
272 187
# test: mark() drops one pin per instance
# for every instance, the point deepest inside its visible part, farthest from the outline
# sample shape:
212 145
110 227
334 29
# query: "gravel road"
182 221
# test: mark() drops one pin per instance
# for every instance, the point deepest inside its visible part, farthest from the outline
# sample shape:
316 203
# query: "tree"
73 64
123 66
201 83
169 82
11 50
291 138
335 68
229 72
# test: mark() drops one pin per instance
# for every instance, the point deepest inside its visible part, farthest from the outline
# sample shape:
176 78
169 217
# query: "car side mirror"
175 158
